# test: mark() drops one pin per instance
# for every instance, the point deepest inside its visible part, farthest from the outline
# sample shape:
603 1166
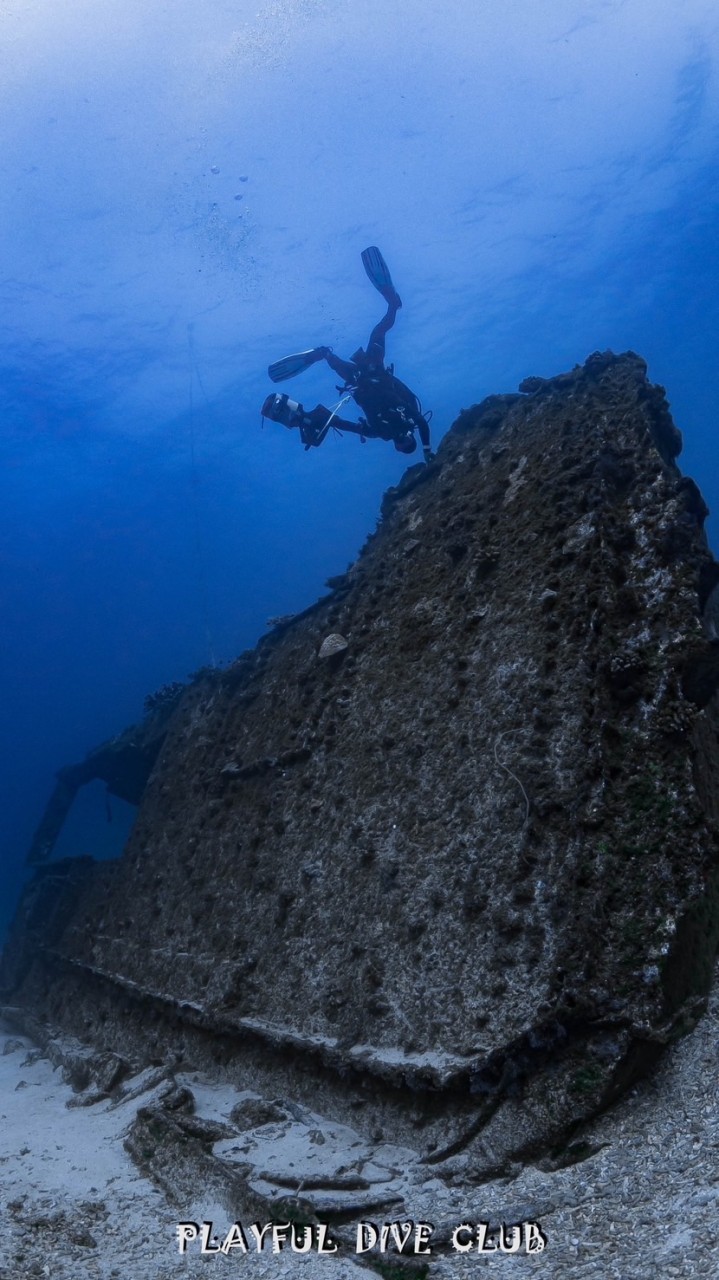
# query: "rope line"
200 547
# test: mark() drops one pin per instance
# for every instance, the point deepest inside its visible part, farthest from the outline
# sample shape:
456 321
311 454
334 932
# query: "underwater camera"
279 408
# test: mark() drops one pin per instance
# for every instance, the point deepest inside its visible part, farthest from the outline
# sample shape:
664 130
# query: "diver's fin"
377 270
290 365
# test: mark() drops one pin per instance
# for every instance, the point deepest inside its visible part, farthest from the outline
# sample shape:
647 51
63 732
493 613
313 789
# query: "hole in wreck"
97 824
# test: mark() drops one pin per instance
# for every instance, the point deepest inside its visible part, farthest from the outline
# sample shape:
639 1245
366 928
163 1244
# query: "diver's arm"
423 429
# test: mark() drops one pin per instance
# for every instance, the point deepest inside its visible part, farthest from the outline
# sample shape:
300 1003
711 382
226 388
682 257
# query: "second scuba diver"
392 411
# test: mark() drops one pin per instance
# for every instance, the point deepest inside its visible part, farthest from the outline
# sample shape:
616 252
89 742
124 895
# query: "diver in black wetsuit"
392 411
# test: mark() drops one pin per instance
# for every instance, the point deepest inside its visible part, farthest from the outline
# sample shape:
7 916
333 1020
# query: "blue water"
184 194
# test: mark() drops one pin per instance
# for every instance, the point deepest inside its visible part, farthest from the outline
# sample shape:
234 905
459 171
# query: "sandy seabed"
644 1205
75 1207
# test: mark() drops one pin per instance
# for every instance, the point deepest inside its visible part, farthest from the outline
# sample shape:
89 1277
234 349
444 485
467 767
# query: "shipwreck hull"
458 877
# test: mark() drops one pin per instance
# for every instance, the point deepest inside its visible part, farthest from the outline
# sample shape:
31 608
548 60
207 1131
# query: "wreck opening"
97 824
117 773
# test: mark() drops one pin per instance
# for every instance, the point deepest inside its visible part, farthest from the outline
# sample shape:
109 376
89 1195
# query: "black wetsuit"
392 411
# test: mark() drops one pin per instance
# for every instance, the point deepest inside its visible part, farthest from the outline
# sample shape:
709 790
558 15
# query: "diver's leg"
375 346
342 367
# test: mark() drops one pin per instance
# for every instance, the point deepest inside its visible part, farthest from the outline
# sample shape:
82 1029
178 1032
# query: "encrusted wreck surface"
457 878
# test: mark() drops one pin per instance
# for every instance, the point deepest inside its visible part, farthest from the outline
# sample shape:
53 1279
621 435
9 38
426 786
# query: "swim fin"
378 272
291 365
376 268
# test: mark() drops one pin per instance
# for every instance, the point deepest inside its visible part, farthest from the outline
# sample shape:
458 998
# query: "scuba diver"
392 411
